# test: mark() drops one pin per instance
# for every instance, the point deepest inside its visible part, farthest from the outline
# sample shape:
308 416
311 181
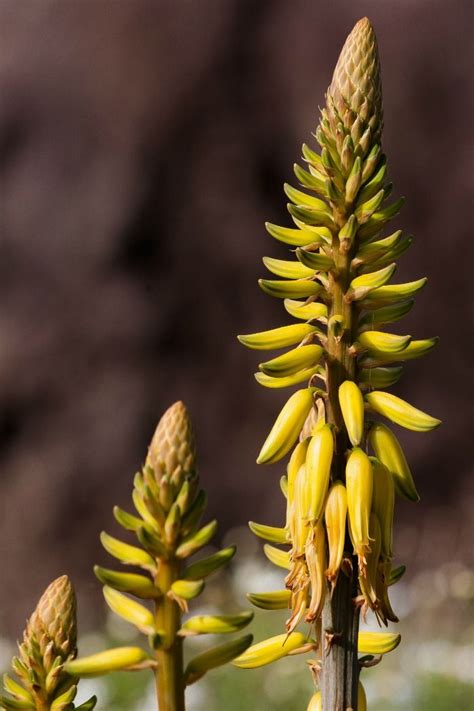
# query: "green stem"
169 674
340 620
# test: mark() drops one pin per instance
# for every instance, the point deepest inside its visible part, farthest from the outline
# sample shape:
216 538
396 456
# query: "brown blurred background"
143 144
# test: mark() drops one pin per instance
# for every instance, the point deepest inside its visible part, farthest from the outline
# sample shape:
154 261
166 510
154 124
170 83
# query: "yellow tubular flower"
388 450
352 408
270 650
298 522
359 485
297 458
335 517
318 470
287 426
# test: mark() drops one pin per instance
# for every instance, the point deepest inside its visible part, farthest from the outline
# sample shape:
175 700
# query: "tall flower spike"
49 641
338 287
169 505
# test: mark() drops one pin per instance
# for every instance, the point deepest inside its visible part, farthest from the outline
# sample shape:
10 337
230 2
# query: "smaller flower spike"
168 530
49 642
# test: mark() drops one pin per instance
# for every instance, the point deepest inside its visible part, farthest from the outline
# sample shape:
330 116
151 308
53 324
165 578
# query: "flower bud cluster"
345 465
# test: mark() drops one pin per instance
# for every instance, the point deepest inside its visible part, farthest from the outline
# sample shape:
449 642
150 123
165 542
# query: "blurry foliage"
442 693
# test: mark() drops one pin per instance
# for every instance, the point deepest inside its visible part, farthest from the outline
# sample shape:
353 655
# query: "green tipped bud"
288 235
129 610
295 289
347 154
354 180
365 211
172 524
186 495
287 426
401 412
127 520
166 495
396 574
138 585
274 534
197 540
275 600
187 589
18 693
215 657
278 337
88 705
272 649
127 554
63 702
292 361
348 232
377 642
119 659
314 260
207 566
278 557
152 543
215 624
389 450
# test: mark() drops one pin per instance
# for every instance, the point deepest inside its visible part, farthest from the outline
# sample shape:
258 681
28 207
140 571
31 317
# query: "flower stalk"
169 655
340 617
340 499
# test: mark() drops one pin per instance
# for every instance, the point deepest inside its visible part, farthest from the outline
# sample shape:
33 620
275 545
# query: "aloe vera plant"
168 532
345 468
340 498
49 642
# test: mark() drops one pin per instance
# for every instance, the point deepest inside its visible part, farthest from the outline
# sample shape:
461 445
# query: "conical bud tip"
173 443
54 619
355 89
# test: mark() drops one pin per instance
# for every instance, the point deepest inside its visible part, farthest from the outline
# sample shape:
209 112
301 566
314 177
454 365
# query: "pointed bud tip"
173 444
59 590
356 84
363 24
54 619
177 408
